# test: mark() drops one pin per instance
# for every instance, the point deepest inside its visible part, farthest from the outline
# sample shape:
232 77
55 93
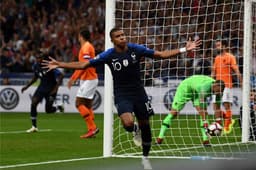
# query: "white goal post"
108 84
173 22
247 67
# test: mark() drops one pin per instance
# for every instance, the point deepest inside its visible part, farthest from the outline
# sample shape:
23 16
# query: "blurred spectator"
28 25
18 63
6 64
239 57
147 72
253 69
252 116
203 64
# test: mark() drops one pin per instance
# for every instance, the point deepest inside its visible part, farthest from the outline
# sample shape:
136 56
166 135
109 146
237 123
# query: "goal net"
168 24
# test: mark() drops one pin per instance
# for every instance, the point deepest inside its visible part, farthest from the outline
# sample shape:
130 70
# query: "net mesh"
162 25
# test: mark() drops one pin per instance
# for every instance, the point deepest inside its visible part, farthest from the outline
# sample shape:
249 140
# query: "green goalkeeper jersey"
196 89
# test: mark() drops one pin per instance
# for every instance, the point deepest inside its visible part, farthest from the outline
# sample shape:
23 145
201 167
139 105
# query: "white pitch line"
49 162
24 131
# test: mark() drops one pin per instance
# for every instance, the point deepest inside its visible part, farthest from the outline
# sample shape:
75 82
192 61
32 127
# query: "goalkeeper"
196 89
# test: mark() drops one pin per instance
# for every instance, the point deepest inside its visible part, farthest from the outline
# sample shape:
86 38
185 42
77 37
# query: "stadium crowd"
28 25
171 23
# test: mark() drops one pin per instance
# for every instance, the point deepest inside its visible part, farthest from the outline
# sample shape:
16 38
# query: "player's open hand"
191 45
50 64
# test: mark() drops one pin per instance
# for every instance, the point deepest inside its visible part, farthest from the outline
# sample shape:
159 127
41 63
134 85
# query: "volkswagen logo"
9 98
96 100
168 98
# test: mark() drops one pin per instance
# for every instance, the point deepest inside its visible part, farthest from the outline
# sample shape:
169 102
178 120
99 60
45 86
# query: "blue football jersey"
125 68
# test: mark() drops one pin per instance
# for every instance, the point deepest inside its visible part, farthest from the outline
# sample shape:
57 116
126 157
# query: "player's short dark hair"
85 33
220 83
224 42
115 29
41 54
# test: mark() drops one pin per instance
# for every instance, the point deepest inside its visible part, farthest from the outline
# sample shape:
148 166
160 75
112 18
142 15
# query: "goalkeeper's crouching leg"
204 131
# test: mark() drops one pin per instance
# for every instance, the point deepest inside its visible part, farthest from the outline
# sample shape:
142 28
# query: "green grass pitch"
58 146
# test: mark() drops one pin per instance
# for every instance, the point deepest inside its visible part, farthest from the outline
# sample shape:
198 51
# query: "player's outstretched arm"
190 45
52 64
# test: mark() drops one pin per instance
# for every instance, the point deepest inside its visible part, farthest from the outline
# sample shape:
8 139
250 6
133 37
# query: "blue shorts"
140 106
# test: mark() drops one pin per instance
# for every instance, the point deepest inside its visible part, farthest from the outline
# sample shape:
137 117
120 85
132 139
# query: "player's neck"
83 42
121 49
222 53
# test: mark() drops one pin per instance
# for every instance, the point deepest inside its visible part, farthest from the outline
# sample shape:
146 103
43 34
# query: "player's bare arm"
52 64
190 45
32 81
239 76
213 72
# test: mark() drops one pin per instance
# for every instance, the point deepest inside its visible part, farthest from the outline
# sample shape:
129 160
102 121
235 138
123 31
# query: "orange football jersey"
223 66
86 53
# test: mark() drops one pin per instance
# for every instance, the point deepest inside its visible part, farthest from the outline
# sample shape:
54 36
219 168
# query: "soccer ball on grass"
215 129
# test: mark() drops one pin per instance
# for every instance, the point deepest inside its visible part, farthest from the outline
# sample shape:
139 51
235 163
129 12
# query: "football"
215 129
